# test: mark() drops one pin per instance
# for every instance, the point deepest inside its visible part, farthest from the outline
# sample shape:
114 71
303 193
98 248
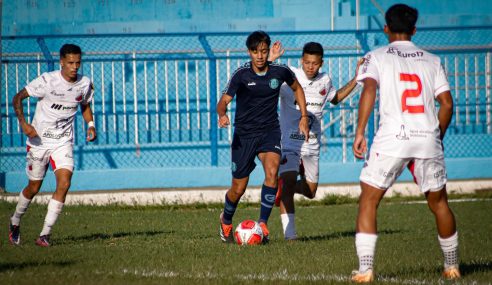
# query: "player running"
256 86
298 155
50 136
410 135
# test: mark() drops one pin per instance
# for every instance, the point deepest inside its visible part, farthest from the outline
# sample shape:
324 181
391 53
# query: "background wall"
41 17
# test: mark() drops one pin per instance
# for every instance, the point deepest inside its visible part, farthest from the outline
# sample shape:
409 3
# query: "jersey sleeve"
331 91
89 94
38 87
369 68
441 83
233 84
289 75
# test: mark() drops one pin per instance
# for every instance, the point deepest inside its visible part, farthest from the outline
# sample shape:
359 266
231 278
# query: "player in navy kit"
256 86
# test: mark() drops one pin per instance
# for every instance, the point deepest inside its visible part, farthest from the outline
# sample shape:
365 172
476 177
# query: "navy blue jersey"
257 97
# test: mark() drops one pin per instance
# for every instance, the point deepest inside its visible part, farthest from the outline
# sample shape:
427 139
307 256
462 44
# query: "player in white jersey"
50 135
301 156
410 135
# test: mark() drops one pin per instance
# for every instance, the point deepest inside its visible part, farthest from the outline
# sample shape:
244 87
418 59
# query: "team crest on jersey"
322 92
274 83
79 98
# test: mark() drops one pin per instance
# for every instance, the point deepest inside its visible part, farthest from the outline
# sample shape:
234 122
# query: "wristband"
91 124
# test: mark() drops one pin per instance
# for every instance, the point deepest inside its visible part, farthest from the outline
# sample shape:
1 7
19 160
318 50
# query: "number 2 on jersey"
411 93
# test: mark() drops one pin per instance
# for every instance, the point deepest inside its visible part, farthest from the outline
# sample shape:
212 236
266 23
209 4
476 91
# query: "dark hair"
256 38
401 18
313 48
69 49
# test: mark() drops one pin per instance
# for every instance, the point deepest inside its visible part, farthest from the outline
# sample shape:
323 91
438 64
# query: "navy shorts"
244 150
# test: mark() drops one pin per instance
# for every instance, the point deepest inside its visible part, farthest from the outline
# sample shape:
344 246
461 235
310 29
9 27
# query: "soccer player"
410 135
256 86
50 135
298 155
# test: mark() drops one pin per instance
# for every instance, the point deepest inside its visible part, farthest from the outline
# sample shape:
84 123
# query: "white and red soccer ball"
248 232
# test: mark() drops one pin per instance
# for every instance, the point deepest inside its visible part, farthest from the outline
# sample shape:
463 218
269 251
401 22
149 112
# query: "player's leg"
308 184
270 162
378 174
287 209
35 170
243 153
430 175
62 164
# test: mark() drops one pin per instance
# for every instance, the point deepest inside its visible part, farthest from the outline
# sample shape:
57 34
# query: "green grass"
180 245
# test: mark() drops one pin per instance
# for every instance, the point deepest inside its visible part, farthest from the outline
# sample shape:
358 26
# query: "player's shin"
54 210
449 248
289 226
20 209
366 246
229 210
267 201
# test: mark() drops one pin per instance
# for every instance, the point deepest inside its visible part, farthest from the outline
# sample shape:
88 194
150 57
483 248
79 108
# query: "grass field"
180 245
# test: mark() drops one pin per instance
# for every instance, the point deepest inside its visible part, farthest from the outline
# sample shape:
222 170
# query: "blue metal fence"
155 95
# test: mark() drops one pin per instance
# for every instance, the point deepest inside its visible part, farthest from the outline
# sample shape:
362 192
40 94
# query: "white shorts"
291 160
39 158
381 171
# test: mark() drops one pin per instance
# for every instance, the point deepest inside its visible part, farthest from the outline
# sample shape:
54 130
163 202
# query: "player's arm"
366 104
222 110
276 51
89 119
28 129
301 102
343 92
445 111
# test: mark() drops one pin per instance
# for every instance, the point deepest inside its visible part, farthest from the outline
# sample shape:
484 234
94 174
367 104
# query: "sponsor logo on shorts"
402 135
33 158
251 83
233 167
386 173
439 173
301 137
274 83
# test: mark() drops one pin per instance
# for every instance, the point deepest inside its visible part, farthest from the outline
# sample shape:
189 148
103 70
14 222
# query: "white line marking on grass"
269 277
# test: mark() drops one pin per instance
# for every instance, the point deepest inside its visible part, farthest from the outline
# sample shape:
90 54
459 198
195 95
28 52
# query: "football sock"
449 248
267 201
289 226
54 209
366 246
20 209
229 210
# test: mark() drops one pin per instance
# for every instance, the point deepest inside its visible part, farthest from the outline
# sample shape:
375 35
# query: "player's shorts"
38 160
381 171
291 160
244 151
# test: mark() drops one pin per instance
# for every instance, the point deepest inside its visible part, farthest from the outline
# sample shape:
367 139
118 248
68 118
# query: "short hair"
313 48
256 38
401 18
70 49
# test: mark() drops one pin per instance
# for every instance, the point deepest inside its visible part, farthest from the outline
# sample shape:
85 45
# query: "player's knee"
63 185
32 188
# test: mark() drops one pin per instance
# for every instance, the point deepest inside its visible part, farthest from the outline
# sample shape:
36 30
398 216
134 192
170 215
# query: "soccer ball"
248 232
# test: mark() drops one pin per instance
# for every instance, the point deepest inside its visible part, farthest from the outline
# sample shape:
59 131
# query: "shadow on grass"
23 265
469 268
104 236
345 234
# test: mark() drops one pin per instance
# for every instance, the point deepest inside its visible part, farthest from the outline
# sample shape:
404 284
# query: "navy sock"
229 210
267 201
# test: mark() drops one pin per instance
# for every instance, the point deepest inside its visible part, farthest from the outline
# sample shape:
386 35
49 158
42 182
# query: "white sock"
21 208
449 248
289 226
366 246
54 209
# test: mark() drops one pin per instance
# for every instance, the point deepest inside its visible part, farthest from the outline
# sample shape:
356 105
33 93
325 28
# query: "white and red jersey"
58 101
317 91
409 79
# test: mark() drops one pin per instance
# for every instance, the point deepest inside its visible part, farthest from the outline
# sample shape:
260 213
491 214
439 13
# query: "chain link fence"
155 97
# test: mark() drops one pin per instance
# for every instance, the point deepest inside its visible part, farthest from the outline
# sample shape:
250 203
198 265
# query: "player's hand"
360 146
276 51
359 63
91 134
224 121
29 130
304 127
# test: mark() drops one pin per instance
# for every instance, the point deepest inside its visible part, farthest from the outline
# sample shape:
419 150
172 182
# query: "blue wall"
41 17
